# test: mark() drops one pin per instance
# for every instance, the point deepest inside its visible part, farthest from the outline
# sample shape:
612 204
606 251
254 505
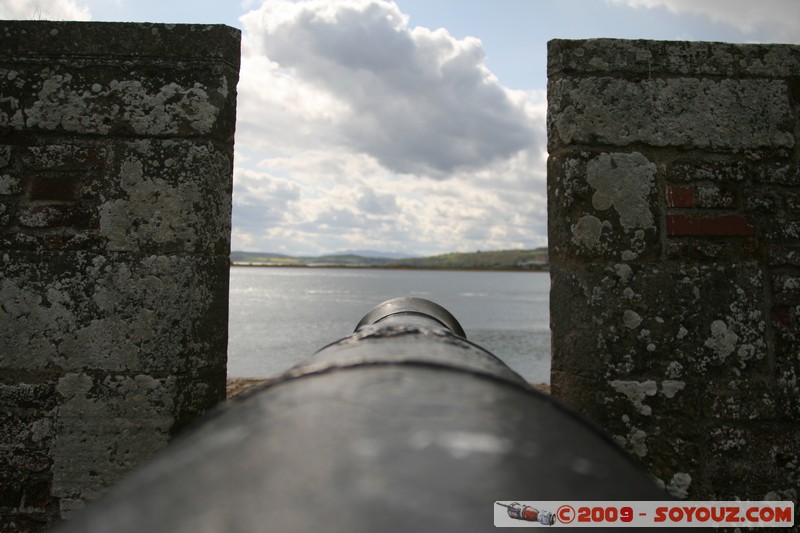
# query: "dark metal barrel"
403 426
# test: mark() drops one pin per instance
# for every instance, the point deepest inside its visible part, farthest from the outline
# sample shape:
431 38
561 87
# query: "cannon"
405 425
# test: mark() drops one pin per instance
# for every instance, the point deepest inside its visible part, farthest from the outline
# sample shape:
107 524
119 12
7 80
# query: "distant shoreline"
536 260
544 268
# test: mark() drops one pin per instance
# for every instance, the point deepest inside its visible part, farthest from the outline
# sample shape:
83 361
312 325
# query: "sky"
407 126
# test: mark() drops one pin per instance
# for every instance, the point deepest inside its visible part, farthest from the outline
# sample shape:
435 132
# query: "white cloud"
261 199
418 101
349 202
43 10
346 114
278 111
777 20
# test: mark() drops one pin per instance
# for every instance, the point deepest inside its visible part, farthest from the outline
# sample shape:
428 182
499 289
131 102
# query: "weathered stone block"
687 353
750 400
713 249
708 326
162 44
644 356
646 58
139 95
106 425
162 196
786 288
792 201
603 205
714 196
197 395
781 229
56 216
5 155
784 255
762 202
9 185
116 149
689 113
753 462
86 311
66 155
168 196
708 170
786 330
26 429
27 420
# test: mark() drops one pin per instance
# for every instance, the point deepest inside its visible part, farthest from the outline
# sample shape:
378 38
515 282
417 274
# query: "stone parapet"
674 234
116 157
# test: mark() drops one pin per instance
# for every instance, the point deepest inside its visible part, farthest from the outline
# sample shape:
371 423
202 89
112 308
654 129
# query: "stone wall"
674 227
116 150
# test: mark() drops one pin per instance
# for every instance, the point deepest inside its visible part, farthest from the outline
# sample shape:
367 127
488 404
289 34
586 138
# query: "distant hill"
262 258
491 260
374 254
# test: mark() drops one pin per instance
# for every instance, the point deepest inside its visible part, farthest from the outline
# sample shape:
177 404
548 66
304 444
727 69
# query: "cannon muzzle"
405 425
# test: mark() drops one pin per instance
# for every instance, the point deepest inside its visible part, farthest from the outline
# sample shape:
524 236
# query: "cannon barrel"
403 426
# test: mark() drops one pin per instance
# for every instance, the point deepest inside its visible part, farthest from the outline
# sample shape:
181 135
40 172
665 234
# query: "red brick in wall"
709 226
680 196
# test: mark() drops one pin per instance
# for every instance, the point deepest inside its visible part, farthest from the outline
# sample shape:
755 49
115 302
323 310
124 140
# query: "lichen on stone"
623 181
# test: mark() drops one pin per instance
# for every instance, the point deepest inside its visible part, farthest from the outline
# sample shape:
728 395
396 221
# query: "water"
281 316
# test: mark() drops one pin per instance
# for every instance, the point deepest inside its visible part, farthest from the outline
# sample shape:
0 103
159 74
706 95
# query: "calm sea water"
281 316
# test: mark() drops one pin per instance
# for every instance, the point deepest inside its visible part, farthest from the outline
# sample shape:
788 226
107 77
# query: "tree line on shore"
533 260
